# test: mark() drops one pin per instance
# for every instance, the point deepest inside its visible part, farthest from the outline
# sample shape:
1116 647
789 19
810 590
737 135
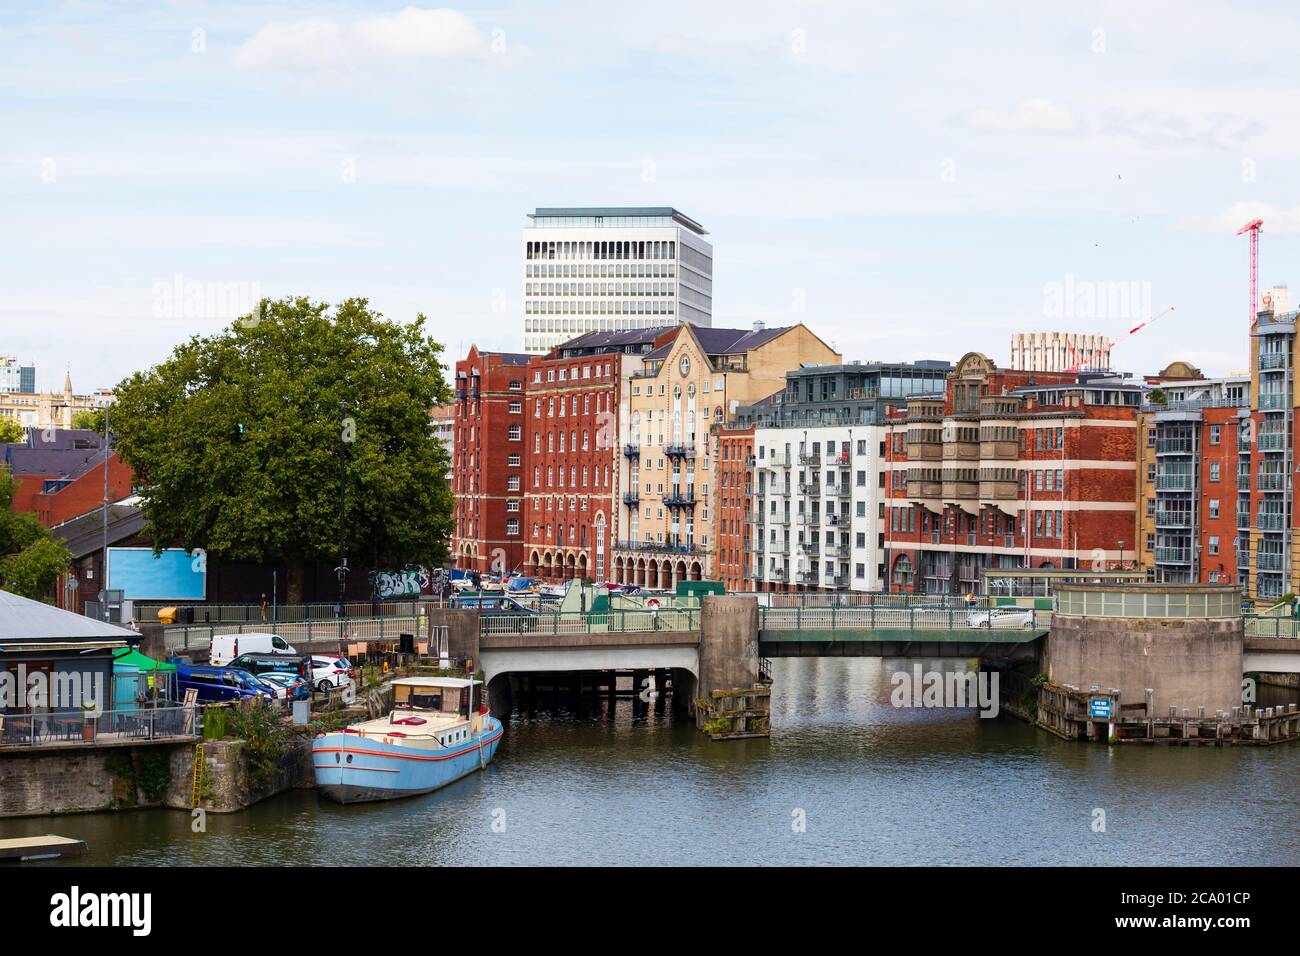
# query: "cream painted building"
693 381
44 409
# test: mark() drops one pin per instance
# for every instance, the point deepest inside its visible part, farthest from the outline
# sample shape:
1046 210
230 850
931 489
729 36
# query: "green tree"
30 559
11 431
236 439
91 419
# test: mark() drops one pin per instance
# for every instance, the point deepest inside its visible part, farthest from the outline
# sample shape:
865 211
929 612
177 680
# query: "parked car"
226 647
287 686
260 664
328 672
1001 617
216 684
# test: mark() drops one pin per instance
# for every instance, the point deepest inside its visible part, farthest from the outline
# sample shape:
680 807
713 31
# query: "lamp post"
342 569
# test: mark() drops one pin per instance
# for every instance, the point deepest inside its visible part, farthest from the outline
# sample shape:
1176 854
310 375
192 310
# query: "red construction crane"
1253 227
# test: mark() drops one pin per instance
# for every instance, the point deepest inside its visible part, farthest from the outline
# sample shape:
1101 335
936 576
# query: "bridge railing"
900 618
579 622
1271 626
879 599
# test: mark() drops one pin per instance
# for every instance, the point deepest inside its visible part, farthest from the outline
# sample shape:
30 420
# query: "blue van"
216 684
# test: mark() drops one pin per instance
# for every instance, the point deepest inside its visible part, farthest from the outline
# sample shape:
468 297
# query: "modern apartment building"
573 451
488 467
676 403
1271 536
612 269
1010 469
1194 466
819 509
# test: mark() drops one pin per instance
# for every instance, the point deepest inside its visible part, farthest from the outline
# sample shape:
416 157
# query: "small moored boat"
438 732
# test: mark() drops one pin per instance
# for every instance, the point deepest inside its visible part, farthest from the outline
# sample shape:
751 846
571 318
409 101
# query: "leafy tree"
236 439
30 559
11 431
91 419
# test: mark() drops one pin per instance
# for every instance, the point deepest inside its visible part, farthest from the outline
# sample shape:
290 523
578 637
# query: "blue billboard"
174 575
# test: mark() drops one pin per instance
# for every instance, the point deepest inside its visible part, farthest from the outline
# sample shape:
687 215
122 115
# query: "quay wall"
1186 662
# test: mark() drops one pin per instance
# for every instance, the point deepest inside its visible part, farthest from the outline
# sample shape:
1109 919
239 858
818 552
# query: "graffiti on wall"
410 581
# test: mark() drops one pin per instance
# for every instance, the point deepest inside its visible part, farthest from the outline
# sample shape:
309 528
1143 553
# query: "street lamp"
342 569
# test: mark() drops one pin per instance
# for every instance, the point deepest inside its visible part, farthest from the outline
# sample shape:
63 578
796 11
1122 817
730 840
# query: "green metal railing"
871 616
578 622
1265 625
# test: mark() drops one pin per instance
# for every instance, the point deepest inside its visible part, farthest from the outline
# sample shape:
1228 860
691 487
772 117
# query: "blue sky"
909 180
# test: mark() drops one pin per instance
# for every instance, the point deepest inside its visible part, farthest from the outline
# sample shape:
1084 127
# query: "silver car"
1001 617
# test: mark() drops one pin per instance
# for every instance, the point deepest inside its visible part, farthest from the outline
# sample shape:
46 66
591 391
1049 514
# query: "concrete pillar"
728 642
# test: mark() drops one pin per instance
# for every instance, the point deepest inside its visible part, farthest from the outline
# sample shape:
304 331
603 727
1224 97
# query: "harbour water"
845 779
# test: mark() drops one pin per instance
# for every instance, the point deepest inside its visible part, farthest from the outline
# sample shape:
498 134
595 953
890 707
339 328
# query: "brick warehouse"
487 470
735 507
1009 469
573 438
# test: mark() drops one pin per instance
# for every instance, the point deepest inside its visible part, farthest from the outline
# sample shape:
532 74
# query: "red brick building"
735 507
573 431
1009 469
488 462
59 474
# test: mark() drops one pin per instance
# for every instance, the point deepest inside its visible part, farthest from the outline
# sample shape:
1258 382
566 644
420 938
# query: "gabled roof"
26 621
616 339
84 534
725 341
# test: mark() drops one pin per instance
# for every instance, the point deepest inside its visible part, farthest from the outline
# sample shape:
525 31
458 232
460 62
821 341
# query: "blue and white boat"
439 731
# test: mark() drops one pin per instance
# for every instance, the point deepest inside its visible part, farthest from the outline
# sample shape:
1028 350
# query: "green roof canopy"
143 662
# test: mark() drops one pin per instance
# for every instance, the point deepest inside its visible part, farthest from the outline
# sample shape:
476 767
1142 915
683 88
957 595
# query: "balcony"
1268 561
1168 555
778 574
777 459
631 499
1272 441
1166 518
1175 446
807 519
1270 521
679 450
839 491
755 518
838 461
833 520
680 498
1271 360
632 451
806 577
810 488
810 459
1273 401
1270 481
812 547
1179 482
837 551
1243 520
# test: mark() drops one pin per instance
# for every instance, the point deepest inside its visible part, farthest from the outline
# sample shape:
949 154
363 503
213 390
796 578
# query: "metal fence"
609 622
76 727
199 636
855 599
867 617
1271 626
194 614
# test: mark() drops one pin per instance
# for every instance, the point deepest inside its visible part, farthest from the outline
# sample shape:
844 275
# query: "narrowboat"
439 730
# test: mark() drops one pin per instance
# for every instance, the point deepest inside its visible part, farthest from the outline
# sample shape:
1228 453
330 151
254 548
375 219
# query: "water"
874 785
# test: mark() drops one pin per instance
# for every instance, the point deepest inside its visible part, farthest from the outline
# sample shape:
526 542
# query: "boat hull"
353 769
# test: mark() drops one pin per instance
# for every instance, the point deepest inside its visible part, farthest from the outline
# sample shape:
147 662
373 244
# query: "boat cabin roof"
436 681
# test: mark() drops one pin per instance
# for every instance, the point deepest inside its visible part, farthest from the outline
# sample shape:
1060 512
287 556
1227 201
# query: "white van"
226 647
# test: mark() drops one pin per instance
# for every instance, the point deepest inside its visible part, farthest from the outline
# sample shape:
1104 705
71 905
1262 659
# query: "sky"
910 180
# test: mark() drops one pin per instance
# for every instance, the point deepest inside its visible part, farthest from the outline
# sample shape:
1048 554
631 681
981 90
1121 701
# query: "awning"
142 662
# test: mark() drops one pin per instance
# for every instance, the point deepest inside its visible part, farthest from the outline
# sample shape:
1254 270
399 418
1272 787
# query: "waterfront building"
735 566
677 400
591 269
488 465
573 451
1194 462
1009 469
1271 537
819 508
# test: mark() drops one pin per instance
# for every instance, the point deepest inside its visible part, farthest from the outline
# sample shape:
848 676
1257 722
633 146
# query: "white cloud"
327 49
1028 116
1277 221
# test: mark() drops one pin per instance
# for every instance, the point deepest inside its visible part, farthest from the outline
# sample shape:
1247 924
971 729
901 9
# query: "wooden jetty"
48 847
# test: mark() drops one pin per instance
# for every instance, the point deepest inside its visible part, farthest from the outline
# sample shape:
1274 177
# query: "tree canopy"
236 438
11 431
91 419
30 559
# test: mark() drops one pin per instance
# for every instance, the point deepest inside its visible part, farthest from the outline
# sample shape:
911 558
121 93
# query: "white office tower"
613 269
